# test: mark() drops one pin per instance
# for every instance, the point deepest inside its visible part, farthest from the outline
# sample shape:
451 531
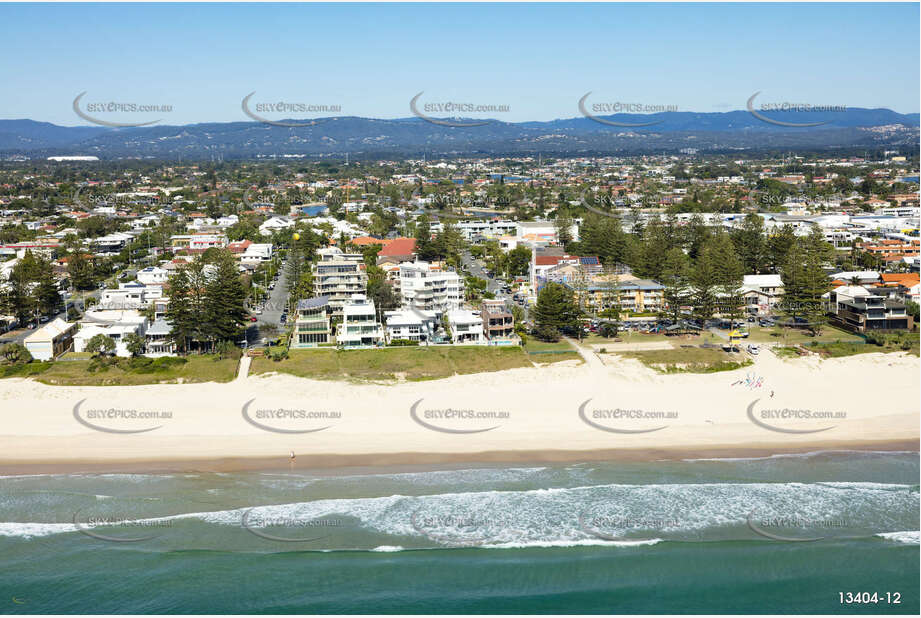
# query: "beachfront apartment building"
411 324
466 327
311 326
860 310
498 322
360 327
424 287
338 276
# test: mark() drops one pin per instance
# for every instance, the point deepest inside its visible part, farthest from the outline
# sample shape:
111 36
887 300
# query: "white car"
754 349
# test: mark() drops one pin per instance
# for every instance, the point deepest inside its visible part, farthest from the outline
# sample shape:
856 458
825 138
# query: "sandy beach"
607 409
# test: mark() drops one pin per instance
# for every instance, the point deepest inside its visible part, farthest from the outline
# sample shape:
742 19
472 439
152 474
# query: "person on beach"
292 456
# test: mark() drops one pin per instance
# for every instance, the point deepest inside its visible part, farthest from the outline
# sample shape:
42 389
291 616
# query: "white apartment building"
359 327
422 287
412 324
466 327
338 276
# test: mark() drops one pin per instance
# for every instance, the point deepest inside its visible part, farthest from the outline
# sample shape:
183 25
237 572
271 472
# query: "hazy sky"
538 59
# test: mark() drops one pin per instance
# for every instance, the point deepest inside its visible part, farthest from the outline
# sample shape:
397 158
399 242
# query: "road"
477 269
74 311
274 307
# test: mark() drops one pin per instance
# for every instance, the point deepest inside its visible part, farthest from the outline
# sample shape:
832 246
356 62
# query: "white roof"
860 274
763 281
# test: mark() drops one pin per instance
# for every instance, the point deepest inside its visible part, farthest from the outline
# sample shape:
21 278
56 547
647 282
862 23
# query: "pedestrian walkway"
591 359
243 370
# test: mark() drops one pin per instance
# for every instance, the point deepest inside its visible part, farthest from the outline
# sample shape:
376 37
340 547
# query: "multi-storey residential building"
498 322
130 295
466 327
858 309
636 295
311 327
338 276
422 287
411 324
359 327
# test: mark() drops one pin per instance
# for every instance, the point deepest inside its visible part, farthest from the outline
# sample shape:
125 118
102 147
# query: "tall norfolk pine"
206 303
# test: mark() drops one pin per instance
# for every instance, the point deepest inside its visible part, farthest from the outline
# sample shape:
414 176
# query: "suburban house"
412 324
359 327
760 293
466 327
338 276
423 287
396 251
126 322
110 243
197 243
860 310
273 224
152 275
498 322
130 295
311 327
51 340
257 252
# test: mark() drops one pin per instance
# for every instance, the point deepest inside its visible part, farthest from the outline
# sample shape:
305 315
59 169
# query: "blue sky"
538 59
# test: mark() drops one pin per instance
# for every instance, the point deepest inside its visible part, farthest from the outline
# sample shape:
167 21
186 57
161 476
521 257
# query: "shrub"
15 353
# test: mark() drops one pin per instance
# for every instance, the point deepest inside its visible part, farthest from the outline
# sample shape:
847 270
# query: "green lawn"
837 350
413 363
791 336
196 368
626 337
689 360
546 352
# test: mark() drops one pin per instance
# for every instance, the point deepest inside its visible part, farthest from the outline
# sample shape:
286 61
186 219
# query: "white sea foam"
909 537
614 514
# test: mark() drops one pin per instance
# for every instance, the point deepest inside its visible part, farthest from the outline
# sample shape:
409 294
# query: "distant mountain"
29 134
672 132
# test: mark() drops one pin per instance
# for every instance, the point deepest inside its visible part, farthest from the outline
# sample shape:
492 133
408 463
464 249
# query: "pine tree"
225 298
675 279
555 311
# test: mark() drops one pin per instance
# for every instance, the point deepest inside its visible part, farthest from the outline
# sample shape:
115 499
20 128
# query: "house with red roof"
397 250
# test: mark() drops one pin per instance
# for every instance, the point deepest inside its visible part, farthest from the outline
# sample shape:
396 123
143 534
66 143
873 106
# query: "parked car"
253 319
753 349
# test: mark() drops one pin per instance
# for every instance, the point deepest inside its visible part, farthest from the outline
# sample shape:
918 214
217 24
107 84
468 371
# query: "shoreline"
412 460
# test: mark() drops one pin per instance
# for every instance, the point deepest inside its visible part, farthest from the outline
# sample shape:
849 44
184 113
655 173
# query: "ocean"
811 533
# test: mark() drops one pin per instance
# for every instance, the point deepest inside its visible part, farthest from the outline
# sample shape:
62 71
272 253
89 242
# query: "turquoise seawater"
784 534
